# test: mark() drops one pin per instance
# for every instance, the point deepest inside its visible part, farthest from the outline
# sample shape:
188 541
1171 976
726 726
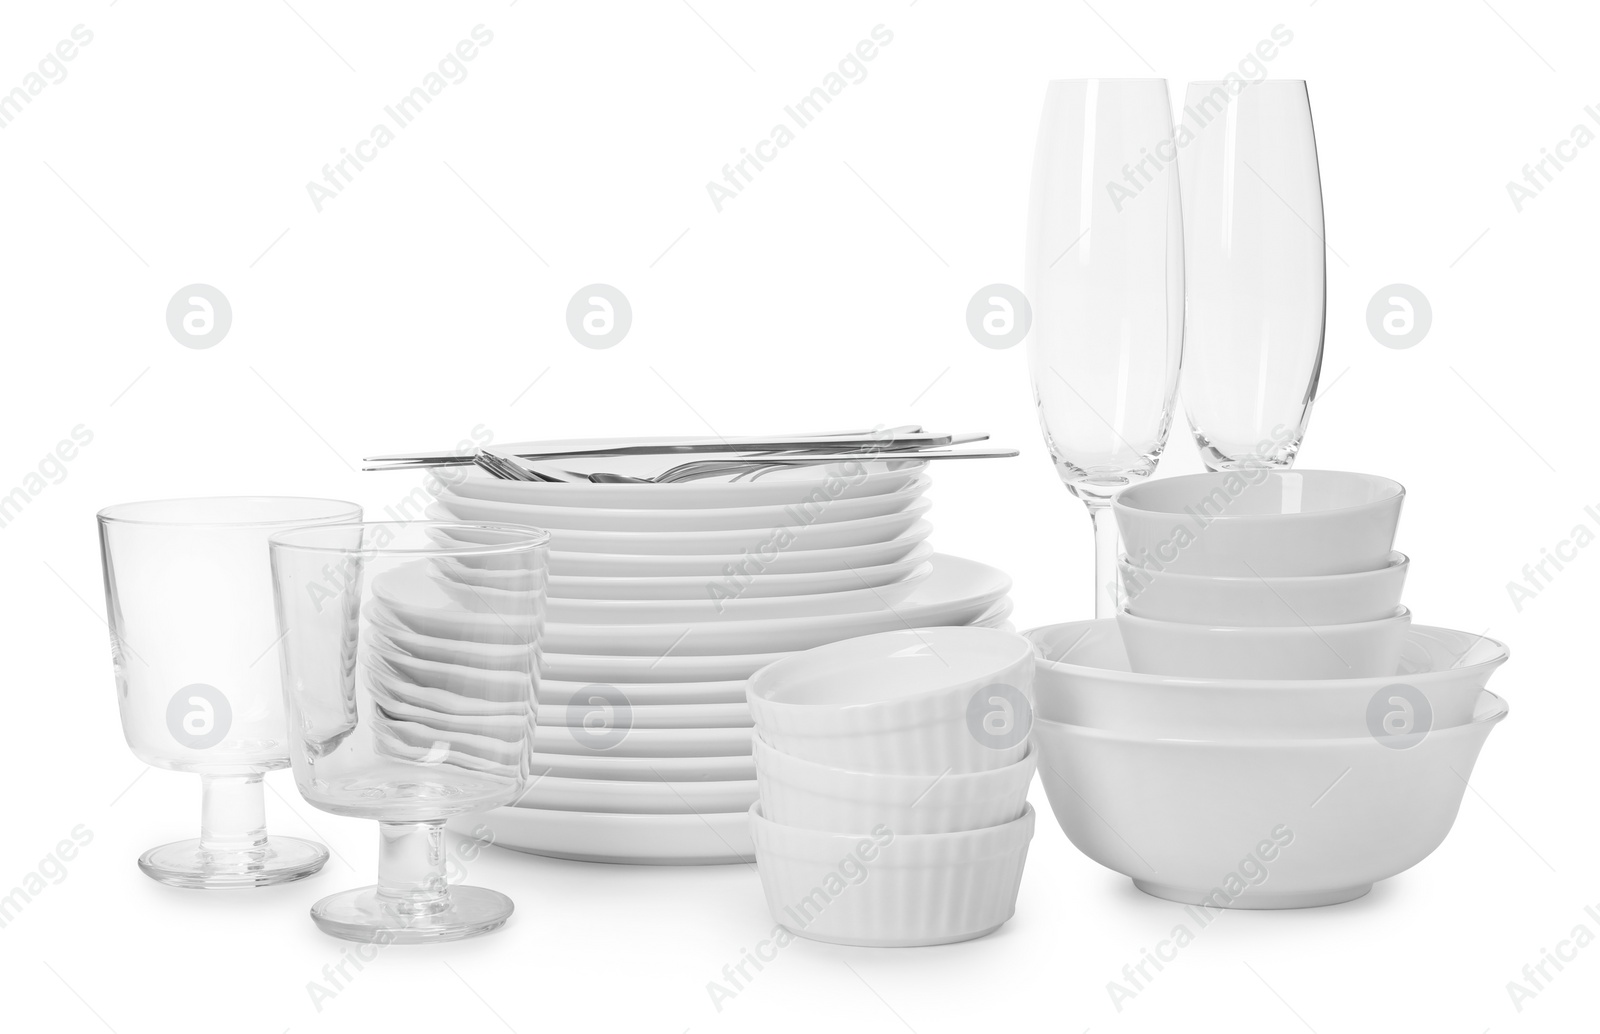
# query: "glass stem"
1107 594
233 813
411 868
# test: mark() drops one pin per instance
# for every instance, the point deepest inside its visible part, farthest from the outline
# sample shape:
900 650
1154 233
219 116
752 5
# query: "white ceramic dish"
957 592
891 889
777 488
913 701
1258 823
724 600
709 839
634 742
797 792
559 694
650 716
819 509
1241 523
1083 678
421 601
672 770
771 561
566 591
1328 599
794 536
559 793
1362 649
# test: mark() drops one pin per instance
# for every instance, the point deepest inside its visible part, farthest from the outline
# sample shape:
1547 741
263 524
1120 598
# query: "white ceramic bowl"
1361 649
1257 823
913 701
1257 522
1083 678
1316 599
891 889
797 792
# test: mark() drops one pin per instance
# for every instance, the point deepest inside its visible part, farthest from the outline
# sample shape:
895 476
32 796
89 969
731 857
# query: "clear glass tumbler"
410 659
1105 280
189 602
1255 268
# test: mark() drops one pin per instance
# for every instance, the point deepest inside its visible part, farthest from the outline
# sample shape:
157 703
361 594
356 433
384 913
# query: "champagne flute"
1105 280
1256 271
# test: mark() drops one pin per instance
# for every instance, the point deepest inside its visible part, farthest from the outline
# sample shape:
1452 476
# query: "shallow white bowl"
891 889
797 792
820 508
1257 823
707 838
1361 649
1316 599
1257 522
1083 678
913 701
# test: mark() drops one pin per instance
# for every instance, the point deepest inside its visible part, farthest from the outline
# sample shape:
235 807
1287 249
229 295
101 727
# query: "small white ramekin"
912 701
889 889
797 792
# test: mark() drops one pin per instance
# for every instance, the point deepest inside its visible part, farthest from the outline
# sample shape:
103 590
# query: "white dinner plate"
723 600
674 770
821 509
771 563
556 692
734 715
958 591
622 742
559 793
756 584
586 836
793 535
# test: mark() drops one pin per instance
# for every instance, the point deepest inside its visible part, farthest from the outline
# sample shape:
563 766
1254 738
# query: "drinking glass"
189 602
1256 270
1105 281
410 655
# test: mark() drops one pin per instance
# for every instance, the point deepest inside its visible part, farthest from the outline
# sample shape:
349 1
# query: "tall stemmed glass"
189 602
410 654
1256 270
1105 280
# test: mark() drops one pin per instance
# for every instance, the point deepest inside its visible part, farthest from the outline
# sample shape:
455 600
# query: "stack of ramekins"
1262 727
893 774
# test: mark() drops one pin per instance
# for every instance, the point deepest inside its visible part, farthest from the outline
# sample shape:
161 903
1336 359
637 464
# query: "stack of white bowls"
893 773
664 598
1263 727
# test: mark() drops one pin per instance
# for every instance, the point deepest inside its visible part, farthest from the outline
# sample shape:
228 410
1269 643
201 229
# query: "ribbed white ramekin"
891 889
913 701
797 792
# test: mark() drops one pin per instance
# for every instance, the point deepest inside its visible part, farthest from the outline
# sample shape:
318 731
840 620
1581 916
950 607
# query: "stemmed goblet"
189 602
1256 270
410 654
1105 282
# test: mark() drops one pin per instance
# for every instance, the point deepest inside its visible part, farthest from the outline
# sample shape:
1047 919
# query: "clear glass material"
1256 270
410 660
1105 281
189 602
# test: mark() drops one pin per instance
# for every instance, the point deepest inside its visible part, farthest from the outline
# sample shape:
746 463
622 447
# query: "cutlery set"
684 651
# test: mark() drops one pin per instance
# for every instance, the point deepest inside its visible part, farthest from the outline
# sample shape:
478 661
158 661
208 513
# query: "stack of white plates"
663 599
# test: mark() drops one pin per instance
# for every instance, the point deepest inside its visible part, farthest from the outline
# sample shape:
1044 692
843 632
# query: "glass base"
188 864
358 915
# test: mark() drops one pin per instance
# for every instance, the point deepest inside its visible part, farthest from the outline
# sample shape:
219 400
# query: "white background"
429 295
